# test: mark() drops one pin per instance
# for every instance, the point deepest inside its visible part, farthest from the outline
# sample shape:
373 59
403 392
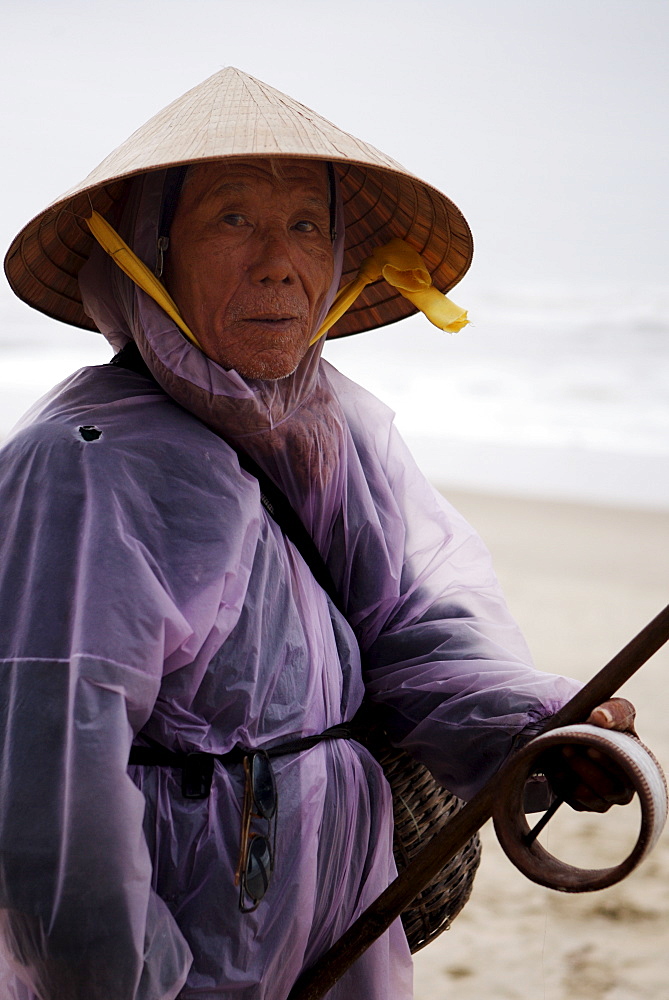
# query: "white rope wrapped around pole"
529 856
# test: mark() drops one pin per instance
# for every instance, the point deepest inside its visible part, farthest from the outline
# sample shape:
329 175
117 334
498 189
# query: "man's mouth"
271 317
273 321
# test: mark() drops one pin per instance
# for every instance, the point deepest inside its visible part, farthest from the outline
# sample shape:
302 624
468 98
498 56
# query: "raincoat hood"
292 424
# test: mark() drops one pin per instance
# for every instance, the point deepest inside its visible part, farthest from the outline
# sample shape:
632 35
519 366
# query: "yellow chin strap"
131 265
397 262
404 269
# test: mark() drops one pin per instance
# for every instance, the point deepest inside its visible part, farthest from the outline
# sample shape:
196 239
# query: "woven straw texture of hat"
233 115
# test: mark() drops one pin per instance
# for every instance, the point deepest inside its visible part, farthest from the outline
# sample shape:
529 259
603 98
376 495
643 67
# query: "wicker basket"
421 808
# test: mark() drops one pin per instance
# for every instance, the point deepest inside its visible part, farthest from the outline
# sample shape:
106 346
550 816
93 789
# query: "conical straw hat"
234 115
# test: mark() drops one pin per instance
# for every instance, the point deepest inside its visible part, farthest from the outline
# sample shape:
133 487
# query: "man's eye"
233 219
304 226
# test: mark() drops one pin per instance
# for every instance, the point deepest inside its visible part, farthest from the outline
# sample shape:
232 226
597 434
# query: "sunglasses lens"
264 789
258 867
256 861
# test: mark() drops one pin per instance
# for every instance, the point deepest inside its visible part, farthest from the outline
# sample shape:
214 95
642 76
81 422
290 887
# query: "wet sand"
581 581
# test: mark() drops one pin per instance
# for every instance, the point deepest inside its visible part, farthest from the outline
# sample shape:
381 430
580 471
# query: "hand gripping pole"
315 982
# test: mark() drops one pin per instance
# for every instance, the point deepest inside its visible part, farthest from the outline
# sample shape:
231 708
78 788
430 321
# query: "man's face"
250 261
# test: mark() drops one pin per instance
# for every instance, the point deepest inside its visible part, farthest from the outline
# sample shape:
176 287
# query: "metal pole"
315 982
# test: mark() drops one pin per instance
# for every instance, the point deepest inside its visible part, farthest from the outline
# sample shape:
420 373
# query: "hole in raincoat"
90 433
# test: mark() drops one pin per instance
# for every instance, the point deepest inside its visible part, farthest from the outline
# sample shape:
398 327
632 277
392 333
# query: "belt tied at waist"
197 766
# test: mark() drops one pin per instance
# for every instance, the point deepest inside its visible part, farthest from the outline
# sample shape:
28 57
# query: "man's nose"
273 260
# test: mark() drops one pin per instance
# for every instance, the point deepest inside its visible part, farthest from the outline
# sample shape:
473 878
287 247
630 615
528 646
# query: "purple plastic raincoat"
146 592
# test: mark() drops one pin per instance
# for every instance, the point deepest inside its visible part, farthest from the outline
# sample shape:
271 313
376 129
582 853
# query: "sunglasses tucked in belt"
257 849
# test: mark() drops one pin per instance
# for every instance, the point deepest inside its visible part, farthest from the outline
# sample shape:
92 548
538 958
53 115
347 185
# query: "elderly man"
159 607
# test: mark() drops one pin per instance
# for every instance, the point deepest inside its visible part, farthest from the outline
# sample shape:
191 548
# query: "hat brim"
43 262
233 116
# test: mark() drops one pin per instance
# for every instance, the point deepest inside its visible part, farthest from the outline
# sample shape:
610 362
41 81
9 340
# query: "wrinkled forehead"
293 175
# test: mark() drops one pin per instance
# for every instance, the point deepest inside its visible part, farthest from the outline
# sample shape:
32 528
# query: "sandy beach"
581 581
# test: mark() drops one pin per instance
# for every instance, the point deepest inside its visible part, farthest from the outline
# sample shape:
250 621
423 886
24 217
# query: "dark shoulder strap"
279 507
273 499
130 358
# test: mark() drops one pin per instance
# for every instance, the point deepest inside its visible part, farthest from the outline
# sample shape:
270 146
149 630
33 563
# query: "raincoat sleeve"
443 656
90 620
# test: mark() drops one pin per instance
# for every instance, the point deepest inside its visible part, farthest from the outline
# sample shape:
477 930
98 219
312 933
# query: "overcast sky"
544 120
